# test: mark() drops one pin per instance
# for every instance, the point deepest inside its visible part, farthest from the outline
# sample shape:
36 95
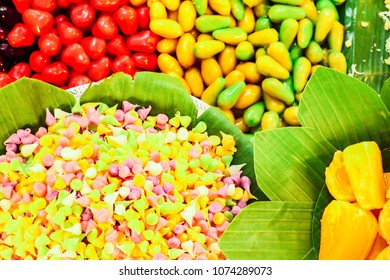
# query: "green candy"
289 2
230 35
229 96
278 90
296 52
322 4
238 9
314 52
227 160
76 109
262 23
205 160
278 13
102 108
253 114
270 120
200 127
245 51
209 23
305 32
151 219
76 184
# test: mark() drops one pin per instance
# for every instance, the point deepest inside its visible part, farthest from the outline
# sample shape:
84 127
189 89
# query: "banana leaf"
365 57
344 110
249 236
336 110
163 92
280 171
385 93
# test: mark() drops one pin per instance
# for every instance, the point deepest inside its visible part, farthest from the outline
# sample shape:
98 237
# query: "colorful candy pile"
109 183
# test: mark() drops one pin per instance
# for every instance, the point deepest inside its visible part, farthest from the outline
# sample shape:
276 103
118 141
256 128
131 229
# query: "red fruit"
145 61
20 36
143 41
79 80
126 18
117 46
44 5
60 18
40 22
56 73
19 70
38 61
99 69
69 34
82 15
37 76
143 17
105 27
124 64
94 47
108 6
63 4
75 57
22 5
5 79
49 44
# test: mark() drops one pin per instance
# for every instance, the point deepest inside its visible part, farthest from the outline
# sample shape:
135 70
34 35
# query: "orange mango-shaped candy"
386 177
363 164
384 255
384 222
347 232
377 247
337 179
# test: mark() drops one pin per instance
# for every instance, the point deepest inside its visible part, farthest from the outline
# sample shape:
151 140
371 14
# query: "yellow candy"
139 180
167 45
166 28
221 201
187 15
90 252
157 11
222 7
154 249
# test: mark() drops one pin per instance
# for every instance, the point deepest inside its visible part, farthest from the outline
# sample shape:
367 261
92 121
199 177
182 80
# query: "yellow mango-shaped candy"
363 164
386 178
384 255
377 247
337 179
384 222
347 232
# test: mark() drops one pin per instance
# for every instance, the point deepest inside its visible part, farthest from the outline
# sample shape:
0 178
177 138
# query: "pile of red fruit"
73 42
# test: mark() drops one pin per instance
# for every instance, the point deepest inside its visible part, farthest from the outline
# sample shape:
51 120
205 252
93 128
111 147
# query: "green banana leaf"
249 236
280 171
24 102
164 92
365 57
336 110
385 93
344 110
